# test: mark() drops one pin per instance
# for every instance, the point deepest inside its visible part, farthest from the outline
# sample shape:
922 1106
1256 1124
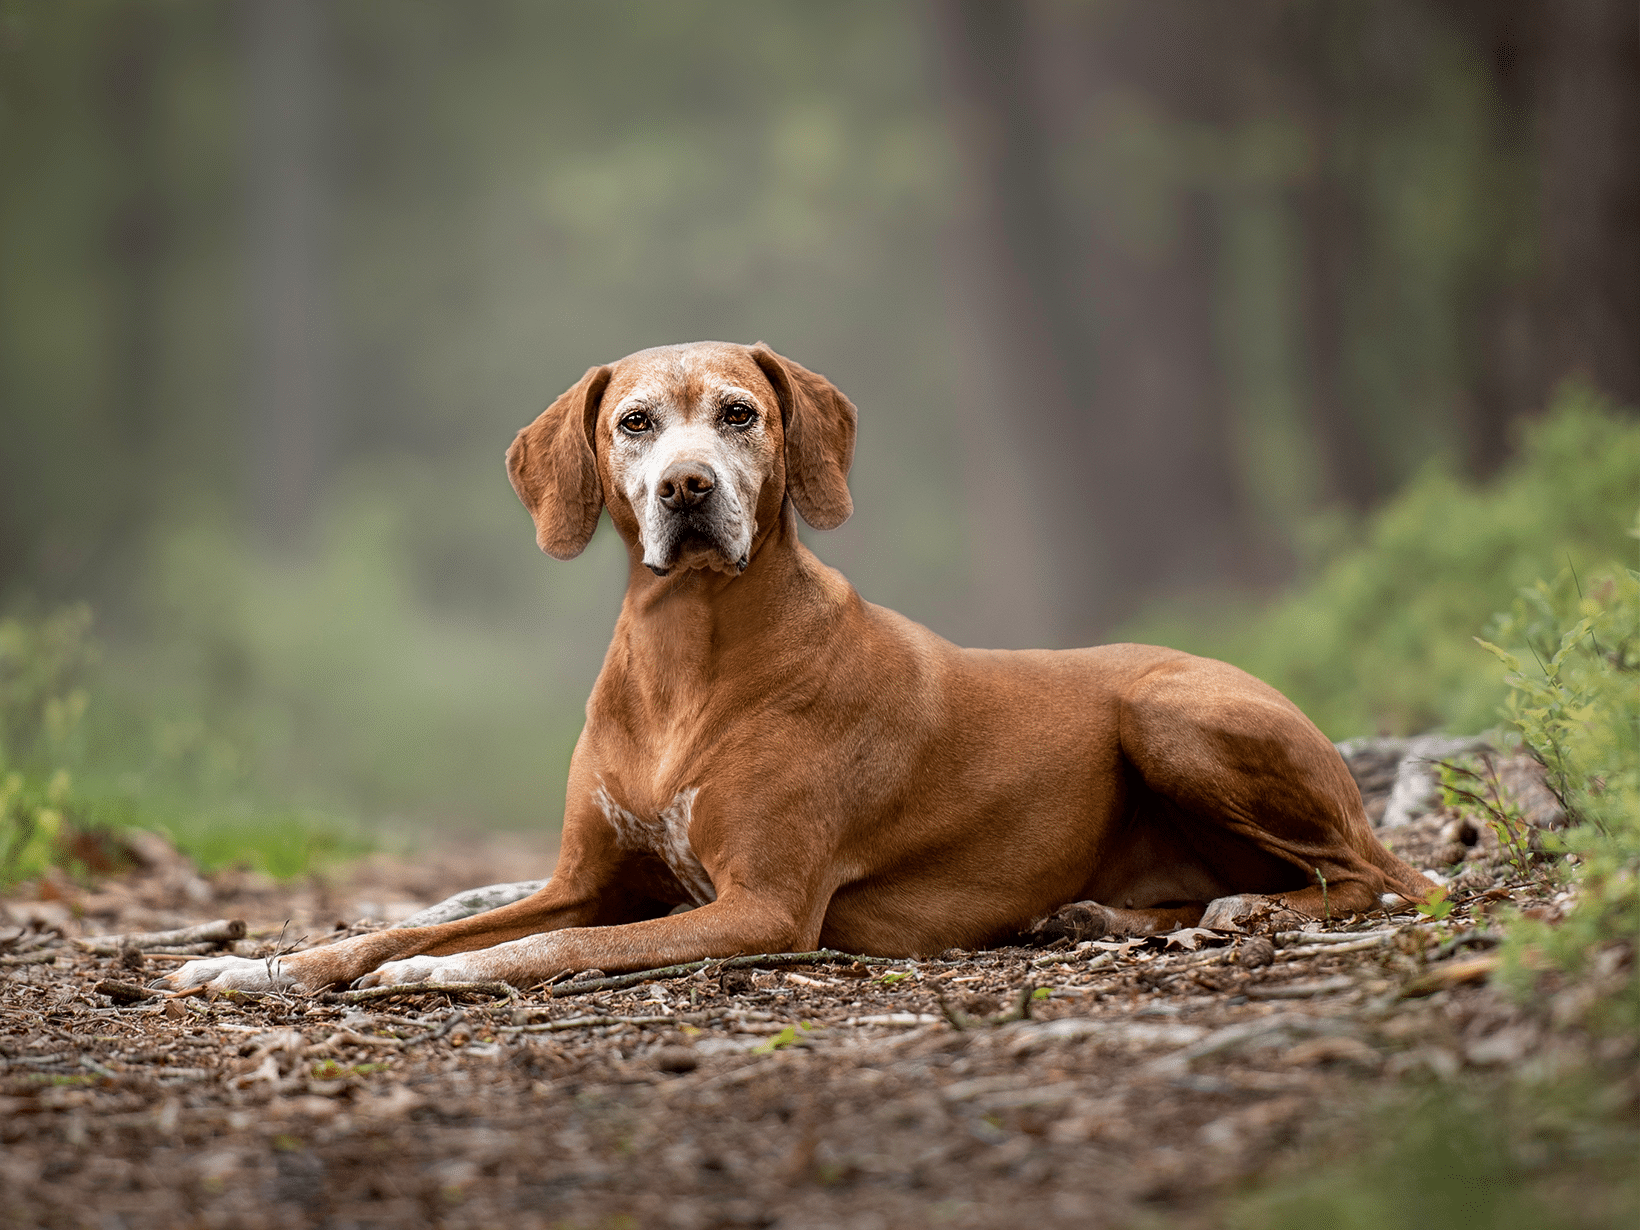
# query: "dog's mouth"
686 545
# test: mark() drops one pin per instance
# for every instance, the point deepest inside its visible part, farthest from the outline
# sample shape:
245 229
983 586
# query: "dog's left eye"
738 415
636 423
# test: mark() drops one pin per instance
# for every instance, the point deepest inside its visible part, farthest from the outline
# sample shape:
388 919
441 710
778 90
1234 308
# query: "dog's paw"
1078 921
1251 912
420 969
230 974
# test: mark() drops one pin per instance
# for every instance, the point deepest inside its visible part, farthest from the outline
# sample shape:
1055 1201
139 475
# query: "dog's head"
693 449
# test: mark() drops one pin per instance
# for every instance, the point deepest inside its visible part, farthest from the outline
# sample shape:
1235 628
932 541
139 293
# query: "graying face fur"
690 456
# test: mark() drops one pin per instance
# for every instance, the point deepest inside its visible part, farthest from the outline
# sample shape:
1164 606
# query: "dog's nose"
685 484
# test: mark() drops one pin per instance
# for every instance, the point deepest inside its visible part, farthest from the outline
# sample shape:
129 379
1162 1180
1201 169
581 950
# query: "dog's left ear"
819 425
552 468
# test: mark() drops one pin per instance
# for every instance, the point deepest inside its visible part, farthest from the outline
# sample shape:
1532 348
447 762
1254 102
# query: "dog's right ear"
554 472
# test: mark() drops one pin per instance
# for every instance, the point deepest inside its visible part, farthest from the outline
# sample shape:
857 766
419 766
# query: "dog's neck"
685 628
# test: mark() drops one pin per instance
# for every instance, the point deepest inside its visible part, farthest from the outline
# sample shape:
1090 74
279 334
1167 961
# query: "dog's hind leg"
1244 764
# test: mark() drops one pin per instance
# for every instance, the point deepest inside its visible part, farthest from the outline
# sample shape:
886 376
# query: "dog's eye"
636 423
738 415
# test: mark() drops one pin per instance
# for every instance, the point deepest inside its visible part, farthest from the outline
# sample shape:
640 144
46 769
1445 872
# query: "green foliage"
64 791
1437 906
1481 791
1526 1157
1574 695
1377 638
789 1036
42 702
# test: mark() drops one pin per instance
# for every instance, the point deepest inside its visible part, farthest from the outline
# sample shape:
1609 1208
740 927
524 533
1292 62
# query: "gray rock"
473 901
1413 787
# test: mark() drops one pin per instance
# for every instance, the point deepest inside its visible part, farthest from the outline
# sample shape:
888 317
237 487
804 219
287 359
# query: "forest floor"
1150 1082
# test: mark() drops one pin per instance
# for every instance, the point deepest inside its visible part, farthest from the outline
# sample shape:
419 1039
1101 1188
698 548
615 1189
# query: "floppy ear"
819 425
553 470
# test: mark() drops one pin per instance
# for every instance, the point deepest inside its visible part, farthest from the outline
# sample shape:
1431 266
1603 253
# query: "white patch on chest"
665 835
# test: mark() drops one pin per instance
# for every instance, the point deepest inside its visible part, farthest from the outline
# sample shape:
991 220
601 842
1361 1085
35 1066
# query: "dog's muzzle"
691 504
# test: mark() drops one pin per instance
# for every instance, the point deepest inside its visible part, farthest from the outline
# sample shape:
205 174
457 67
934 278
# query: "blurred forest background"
1222 324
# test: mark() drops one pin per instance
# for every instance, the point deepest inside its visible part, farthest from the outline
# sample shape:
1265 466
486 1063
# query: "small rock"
980 1004
1255 952
587 975
1450 853
735 981
675 1059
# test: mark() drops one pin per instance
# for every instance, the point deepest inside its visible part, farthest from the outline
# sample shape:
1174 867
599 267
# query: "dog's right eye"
636 423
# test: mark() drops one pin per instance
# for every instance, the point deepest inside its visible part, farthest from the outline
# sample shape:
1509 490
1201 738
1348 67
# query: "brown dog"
805 768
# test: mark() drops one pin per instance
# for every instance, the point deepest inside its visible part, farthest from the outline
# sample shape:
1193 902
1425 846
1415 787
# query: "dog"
799 767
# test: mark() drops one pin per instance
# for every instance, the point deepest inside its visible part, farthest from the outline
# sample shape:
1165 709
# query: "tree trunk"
291 360
1100 365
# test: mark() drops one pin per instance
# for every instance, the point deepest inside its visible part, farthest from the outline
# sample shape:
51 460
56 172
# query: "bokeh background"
1297 331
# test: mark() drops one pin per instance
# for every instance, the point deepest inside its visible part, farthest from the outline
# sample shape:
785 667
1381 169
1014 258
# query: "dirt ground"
1148 1080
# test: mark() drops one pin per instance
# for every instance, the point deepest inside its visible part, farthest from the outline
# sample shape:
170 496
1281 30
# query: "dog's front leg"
735 924
584 890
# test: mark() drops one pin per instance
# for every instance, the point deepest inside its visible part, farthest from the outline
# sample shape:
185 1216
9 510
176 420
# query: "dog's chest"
665 835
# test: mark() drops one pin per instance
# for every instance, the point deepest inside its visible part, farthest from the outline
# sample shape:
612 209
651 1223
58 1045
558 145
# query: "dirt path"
1149 1079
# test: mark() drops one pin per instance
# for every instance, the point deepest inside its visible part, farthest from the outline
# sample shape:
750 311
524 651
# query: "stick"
1455 973
618 981
1301 990
367 994
1325 950
33 958
1283 938
222 931
124 992
587 1022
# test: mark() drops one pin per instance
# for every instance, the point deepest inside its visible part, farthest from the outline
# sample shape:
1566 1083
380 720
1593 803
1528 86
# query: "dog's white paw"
229 974
419 969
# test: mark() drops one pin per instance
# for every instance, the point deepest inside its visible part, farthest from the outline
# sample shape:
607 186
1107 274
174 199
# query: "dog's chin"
696 550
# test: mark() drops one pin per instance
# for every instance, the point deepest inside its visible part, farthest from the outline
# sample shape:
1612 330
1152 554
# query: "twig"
1469 939
1284 938
91 1065
962 1022
33 958
444 1028
587 1022
618 981
1354 944
1452 974
367 994
222 931
1301 990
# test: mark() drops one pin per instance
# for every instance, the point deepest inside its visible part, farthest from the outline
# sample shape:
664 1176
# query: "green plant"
788 1036
1437 906
1574 695
66 795
1374 638
42 702
1484 793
